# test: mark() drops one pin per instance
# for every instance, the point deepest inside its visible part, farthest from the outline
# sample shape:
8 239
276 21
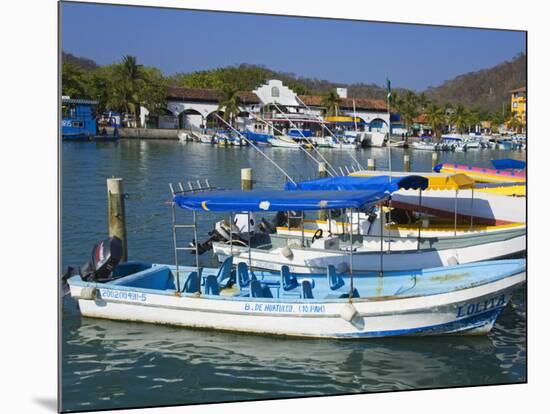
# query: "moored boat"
333 303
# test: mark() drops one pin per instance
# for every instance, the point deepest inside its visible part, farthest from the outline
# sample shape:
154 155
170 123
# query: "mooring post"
246 178
322 168
434 159
117 215
406 162
371 165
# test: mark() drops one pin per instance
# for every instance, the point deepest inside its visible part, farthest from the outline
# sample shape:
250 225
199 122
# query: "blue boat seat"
211 286
307 292
224 273
243 276
257 290
355 294
335 281
288 282
191 284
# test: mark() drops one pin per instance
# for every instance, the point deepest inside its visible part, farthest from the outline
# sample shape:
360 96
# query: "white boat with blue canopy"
461 299
363 232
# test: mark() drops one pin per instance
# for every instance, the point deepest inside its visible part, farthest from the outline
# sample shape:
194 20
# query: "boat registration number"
122 294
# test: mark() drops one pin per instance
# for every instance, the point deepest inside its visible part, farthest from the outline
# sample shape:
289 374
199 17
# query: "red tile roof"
522 89
360 103
208 95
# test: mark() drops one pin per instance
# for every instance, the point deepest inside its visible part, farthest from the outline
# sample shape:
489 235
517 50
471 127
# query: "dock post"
116 212
322 168
434 159
246 179
406 162
371 165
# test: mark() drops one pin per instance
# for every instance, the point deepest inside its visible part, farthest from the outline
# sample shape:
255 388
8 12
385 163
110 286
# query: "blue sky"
341 51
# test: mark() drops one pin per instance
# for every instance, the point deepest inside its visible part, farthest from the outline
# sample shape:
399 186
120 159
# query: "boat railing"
181 189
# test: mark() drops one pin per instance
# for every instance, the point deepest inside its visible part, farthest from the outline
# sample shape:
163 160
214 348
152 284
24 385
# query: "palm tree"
230 103
460 117
435 115
513 122
130 84
332 103
407 108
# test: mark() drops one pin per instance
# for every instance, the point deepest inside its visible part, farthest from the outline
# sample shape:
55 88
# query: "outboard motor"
105 257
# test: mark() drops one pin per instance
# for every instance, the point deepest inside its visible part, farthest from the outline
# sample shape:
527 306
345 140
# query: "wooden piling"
406 162
371 165
246 179
116 212
322 168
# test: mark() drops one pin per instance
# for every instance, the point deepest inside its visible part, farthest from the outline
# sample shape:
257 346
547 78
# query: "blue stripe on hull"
458 326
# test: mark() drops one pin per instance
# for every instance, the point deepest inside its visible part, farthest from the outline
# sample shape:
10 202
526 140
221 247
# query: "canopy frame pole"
196 247
175 246
381 272
350 255
303 231
249 243
420 216
389 224
231 233
472 210
330 221
456 207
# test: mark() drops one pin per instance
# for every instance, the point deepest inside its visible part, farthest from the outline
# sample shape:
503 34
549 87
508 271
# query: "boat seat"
307 292
224 274
355 294
191 284
288 282
335 281
211 286
257 290
243 276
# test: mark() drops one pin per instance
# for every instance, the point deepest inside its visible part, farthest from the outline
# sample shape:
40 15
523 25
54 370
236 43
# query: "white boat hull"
398 256
466 311
488 208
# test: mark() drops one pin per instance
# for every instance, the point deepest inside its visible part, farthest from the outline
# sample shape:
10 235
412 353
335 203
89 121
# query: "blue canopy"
508 163
277 200
380 183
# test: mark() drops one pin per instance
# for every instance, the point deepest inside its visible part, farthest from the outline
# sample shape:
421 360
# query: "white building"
196 107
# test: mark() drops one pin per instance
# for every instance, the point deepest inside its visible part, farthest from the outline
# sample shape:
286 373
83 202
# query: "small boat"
334 303
283 142
303 254
183 136
424 146
481 174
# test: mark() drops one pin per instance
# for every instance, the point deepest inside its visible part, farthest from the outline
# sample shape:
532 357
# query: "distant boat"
283 142
424 146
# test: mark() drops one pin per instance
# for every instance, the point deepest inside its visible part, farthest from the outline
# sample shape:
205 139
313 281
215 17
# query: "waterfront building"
196 109
78 119
518 105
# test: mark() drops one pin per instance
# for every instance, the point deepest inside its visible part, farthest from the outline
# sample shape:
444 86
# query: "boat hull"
469 311
396 257
486 208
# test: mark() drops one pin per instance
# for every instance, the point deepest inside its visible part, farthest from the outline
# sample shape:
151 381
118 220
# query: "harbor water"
108 364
